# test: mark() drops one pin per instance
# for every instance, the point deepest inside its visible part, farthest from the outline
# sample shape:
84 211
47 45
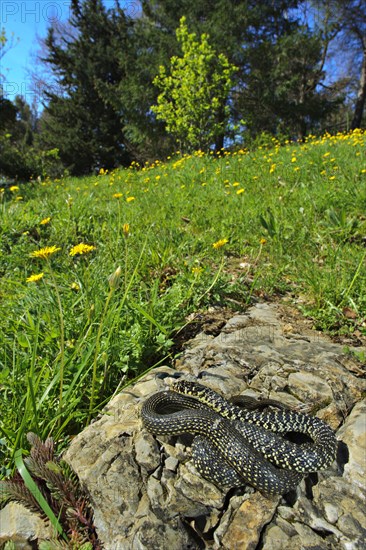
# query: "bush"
23 165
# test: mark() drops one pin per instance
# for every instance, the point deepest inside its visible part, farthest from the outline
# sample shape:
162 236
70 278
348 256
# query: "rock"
21 527
248 521
146 492
353 434
310 387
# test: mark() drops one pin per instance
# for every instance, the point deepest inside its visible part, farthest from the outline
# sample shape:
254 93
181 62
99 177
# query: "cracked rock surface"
146 492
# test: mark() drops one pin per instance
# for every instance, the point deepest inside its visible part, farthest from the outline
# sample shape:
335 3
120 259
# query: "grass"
138 250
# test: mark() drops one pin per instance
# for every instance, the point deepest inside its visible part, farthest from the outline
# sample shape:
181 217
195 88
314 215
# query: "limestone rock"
21 527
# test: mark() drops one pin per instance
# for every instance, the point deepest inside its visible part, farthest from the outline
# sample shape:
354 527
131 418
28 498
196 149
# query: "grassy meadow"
99 273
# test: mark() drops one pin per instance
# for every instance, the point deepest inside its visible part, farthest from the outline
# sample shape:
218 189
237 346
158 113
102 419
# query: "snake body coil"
233 446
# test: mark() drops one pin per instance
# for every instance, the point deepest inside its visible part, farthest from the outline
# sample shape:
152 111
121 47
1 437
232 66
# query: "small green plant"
340 223
269 223
360 355
47 486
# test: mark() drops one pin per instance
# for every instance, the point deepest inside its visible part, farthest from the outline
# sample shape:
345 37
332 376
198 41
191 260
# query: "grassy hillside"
97 274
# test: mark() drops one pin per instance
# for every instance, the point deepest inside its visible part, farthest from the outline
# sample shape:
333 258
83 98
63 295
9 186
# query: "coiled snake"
234 446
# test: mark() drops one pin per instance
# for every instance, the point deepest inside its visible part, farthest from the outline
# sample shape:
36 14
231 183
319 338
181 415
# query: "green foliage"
297 71
20 156
193 98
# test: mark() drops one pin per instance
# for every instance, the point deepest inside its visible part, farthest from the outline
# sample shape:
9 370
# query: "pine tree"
85 119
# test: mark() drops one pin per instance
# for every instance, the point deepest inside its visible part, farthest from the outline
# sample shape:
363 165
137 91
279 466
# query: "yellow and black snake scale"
234 446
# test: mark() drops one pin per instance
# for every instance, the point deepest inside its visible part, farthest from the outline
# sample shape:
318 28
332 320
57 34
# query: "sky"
24 22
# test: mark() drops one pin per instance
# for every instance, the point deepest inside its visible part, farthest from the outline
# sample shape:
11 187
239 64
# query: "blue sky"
24 21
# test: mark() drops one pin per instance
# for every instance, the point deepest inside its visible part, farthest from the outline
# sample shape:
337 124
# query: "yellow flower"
236 183
126 229
45 221
14 188
75 286
35 278
117 195
130 199
220 243
44 253
18 198
81 249
240 191
263 241
197 270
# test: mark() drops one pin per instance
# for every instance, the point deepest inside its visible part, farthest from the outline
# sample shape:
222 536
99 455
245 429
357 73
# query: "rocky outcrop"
146 492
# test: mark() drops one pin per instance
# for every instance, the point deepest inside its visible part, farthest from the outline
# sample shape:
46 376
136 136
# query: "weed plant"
98 273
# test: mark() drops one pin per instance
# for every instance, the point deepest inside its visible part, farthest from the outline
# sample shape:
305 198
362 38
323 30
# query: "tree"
17 123
297 72
6 44
352 21
193 98
343 23
272 90
85 118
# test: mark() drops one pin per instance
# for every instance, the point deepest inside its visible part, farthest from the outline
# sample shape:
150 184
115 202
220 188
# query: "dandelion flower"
114 279
44 253
240 191
126 229
130 199
117 195
14 188
35 278
81 249
263 241
197 270
220 243
45 221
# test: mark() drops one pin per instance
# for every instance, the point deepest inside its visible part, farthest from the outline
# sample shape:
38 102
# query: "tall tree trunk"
361 95
219 143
